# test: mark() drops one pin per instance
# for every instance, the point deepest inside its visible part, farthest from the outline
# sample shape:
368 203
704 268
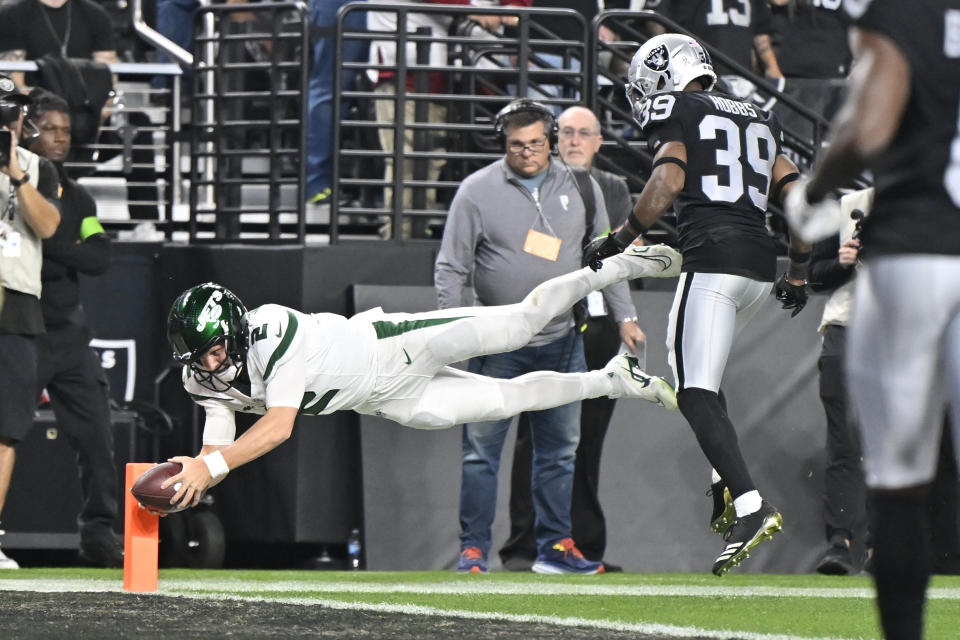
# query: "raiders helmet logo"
658 59
6 85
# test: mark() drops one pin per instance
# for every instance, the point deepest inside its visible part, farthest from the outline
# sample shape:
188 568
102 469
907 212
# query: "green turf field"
654 605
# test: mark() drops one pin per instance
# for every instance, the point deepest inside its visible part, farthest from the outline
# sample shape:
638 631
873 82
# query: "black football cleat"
724 512
745 534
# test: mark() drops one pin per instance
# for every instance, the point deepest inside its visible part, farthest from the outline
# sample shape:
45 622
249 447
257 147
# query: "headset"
526 104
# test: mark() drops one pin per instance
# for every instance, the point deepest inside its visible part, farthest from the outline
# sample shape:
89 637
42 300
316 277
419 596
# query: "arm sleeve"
219 426
48 182
91 257
89 253
103 29
457 254
826 272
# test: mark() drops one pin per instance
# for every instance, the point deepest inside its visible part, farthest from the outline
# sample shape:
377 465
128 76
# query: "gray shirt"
487 227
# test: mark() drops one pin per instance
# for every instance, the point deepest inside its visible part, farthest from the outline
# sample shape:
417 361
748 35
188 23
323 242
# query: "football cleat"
649 261
629 381
745 534
724 513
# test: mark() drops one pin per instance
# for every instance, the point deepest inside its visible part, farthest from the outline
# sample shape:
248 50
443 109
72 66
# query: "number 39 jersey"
731 149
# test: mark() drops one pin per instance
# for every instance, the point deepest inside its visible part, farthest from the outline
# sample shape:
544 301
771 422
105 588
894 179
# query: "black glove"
791 295
600 248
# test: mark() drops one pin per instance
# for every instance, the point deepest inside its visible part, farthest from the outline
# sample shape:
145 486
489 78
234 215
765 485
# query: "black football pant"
601 342
70 371
845 494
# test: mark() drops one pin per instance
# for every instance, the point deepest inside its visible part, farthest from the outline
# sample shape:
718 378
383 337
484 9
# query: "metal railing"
445 134
250 73
130 169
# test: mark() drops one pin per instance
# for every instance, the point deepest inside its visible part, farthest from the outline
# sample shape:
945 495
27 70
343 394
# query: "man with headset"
511 226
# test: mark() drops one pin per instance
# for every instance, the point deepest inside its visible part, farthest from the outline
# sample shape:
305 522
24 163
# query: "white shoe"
649 261
630 382
7 563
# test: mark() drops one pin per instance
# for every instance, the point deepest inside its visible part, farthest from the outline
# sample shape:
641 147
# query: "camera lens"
9 112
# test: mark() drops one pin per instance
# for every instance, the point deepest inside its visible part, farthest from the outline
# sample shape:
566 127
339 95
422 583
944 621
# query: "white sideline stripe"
656 630
180 586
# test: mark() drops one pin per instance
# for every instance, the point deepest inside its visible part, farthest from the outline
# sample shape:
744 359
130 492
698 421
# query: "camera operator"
832 269
29 212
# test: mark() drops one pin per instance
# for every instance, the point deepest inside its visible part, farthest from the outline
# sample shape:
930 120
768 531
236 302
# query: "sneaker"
103 551
564 557
649 261
320 196
745 534
630 382
472 561
7 562
724 513
837 561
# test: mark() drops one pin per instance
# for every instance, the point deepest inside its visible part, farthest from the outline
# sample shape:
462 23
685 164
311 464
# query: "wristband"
216 465
22 181
799 264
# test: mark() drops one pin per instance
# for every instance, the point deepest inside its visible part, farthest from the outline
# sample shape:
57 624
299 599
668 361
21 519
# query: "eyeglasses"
516 148
567 133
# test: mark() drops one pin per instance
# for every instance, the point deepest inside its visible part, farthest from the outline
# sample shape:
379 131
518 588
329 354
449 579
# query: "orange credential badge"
542 245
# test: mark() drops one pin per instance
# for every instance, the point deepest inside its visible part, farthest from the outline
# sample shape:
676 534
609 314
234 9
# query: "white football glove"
812 222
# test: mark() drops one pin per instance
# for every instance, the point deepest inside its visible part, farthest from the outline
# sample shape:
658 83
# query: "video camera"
9 112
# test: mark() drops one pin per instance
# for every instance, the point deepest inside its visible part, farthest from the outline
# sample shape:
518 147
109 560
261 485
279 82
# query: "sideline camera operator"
28 213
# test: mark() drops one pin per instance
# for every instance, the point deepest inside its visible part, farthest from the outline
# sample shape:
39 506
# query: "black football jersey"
728 25
731 149
917 203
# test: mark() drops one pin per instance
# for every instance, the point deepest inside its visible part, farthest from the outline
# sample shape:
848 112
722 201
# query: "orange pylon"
141 539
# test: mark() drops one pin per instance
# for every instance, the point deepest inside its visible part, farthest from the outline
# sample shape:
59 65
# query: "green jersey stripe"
283 346
386 329
319 405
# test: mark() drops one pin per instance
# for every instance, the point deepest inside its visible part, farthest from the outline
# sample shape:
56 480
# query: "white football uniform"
396 365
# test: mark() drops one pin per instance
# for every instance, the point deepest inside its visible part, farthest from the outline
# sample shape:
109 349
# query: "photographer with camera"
832 268
29 212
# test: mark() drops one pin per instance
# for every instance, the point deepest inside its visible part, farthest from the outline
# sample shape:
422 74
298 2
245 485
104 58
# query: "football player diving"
279 362
717 160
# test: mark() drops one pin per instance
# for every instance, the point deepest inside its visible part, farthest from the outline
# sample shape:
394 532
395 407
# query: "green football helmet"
202 317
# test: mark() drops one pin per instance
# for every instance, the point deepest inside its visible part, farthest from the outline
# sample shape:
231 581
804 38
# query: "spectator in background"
739 28
579 140
811 46
513 225
28 213
384 52
66 365
832 268
82 29
30 29
323 14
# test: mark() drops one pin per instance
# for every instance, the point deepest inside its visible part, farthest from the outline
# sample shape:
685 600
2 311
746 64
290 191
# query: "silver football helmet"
667 62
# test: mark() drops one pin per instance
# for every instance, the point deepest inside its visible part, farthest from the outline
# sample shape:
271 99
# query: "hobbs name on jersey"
732 106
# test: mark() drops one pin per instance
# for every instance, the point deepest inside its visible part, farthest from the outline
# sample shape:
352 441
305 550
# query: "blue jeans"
323 13
555 434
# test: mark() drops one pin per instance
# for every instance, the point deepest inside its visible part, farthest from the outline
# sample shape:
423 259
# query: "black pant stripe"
678 334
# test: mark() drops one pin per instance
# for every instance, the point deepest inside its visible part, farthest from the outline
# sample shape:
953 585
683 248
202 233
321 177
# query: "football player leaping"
717 160
280 362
